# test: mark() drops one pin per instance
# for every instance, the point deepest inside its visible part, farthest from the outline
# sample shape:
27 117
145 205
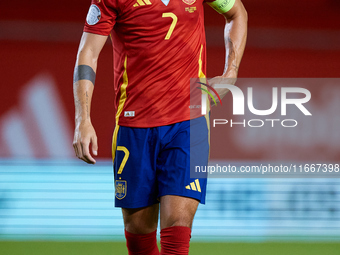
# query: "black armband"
84 72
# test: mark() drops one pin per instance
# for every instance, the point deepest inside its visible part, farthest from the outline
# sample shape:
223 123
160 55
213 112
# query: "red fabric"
157 49
141 244
175 240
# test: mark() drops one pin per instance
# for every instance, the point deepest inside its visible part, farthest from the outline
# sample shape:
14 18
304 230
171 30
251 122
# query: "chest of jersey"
155 21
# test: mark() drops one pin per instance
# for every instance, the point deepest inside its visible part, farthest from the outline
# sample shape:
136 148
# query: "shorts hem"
136 205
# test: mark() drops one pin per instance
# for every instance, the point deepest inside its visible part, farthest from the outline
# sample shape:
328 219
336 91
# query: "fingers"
77 148
94 146
82 151
86 153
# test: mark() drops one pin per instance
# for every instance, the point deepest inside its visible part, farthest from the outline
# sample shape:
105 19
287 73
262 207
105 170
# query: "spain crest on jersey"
121 189
189 2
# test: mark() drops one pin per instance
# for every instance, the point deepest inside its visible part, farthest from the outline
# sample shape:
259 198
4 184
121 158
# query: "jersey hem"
146 125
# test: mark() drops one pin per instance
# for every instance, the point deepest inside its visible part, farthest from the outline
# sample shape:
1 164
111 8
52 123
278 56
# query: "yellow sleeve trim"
222 6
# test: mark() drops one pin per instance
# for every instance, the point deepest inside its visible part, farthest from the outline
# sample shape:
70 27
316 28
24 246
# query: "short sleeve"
101 17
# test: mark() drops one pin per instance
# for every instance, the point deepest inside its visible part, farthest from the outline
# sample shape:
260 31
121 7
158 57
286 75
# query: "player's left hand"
220 91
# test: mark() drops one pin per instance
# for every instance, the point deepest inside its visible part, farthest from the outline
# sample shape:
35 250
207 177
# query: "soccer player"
158 46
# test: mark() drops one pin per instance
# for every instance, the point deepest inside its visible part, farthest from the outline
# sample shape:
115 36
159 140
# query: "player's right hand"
84 135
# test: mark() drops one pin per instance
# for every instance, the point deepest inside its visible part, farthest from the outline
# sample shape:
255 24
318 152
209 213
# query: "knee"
141 221
178 221
140 227
177 211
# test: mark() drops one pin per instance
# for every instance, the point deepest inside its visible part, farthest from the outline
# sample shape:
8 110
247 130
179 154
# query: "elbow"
87 55
243 12
245 15
241 15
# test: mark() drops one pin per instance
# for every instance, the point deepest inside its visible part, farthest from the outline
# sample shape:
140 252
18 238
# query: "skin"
174 210
235 36
84 133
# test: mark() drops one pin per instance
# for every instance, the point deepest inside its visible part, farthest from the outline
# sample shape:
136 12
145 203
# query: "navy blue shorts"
153 162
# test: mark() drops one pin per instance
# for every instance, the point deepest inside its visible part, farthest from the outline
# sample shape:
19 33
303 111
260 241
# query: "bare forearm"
83 83
235 36
82 91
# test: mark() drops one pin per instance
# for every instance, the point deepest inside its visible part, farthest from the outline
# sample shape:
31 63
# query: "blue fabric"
159 163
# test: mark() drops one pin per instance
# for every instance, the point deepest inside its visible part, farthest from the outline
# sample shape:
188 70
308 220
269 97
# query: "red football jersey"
158 46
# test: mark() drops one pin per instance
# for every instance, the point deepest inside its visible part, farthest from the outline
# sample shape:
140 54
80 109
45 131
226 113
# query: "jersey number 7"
173 23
